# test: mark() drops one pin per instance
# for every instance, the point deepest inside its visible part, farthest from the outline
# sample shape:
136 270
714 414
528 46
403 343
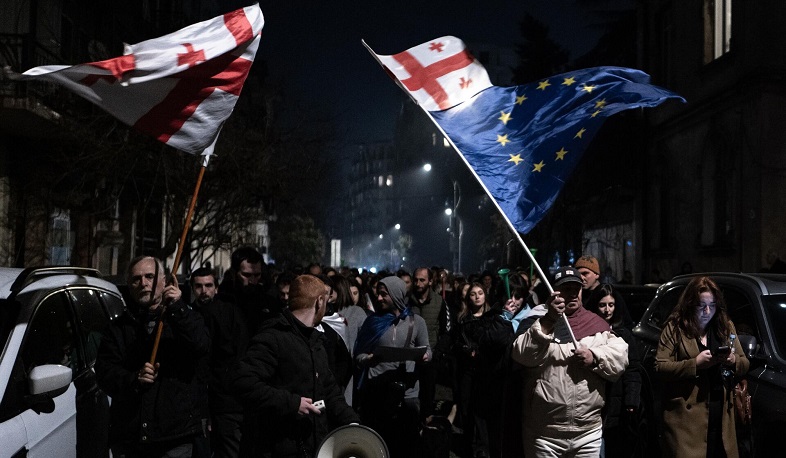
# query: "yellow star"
520 99
588 89
503 139
561 154
515 159
538 166
597 112
580 133
569 81
543 85
505 118
600 103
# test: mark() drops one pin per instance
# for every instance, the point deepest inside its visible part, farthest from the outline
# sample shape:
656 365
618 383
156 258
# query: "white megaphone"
353 441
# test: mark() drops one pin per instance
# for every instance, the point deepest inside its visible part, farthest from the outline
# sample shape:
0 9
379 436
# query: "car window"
740 310
92 321
113 305
665 306
775 309
51 337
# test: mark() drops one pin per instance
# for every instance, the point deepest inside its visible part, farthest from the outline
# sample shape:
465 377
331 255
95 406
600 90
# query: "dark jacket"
169 408
285 361
228 343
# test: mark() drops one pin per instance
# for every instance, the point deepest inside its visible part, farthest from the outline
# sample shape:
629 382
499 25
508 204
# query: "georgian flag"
179 88
438 74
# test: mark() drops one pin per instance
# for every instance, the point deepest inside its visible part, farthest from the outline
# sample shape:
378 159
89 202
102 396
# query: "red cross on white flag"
438 74
179 88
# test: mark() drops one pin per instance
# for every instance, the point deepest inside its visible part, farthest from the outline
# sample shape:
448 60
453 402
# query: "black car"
757 306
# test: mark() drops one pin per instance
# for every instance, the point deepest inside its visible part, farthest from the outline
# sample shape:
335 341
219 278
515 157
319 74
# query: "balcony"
29 108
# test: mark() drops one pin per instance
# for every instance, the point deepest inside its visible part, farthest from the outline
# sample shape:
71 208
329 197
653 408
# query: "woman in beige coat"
697 368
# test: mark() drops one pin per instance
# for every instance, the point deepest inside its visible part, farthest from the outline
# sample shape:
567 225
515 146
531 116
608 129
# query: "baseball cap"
566 275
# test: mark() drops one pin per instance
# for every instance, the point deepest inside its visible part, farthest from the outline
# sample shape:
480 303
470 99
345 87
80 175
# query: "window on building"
717 29
60 238
389 181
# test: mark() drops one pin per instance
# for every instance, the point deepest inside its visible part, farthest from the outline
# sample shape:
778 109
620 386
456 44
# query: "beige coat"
560 395
685 408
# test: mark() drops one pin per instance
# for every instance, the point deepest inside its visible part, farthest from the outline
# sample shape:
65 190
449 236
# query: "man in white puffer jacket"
565 387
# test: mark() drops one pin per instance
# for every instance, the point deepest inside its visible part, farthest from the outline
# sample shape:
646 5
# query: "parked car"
757 305
50 324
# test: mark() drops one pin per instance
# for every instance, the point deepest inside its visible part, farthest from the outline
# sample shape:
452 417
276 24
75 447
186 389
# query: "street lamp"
426 167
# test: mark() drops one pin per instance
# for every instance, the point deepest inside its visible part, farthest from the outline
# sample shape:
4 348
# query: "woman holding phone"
697 361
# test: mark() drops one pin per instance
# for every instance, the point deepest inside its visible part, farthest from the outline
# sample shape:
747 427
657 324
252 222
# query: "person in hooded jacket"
388 391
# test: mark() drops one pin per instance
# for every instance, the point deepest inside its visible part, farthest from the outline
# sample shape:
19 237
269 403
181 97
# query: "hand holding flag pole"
521 143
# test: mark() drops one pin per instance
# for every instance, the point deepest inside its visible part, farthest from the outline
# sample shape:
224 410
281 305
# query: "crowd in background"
296 353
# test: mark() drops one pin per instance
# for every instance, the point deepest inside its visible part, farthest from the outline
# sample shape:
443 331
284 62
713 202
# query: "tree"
295 241
539 55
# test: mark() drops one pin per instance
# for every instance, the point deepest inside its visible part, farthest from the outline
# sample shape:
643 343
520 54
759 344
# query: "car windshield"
775 308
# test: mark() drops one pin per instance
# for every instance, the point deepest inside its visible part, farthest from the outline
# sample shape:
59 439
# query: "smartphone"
724 350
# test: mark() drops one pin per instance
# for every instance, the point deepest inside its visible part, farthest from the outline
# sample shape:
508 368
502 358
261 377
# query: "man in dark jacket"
285 373
156 408
228 343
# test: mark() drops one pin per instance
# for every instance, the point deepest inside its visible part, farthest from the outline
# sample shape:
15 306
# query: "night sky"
315 46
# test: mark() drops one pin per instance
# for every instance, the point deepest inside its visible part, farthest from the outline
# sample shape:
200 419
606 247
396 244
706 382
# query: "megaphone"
353 441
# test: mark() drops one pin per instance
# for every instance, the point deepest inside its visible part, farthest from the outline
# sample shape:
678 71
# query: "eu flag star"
538 167
543 85
561 154
505 118
520 99
580 133
600 103
588 89
597 112
569 81
503 139
515 159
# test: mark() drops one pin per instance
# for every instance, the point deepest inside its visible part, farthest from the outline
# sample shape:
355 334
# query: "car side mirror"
45 383
749 345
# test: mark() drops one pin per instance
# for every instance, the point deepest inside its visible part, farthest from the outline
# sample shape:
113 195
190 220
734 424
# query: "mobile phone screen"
724 350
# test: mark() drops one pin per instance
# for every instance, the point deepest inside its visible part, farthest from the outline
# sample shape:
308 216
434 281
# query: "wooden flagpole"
176 265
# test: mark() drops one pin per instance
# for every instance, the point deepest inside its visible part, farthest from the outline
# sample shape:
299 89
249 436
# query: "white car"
50 328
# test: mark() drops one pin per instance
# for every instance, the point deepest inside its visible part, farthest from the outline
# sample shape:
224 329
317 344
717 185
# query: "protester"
228 343
389 389
484 339
242 286
285 373
564 387
424 301
698 375
354 317
623 396
589 269
407 277
156 408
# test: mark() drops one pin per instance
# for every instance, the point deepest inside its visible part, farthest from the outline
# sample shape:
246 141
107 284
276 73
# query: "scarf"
585 323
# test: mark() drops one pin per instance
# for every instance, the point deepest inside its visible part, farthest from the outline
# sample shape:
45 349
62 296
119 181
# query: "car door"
92 404
50 338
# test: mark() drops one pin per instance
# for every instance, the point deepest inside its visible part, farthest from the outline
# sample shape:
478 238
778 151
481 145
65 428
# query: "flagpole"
505 217
176 264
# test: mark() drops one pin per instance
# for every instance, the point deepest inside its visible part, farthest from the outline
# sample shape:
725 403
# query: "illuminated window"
380 180
389 181
717 29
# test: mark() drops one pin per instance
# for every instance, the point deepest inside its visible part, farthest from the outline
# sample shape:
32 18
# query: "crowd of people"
265 363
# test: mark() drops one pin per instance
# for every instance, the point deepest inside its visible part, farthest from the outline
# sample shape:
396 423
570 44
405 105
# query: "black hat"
565 275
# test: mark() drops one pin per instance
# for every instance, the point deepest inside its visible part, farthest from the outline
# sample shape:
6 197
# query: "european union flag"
523 142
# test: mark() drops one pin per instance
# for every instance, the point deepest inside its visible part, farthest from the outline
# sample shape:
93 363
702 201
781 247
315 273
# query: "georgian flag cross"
438 74
179 88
